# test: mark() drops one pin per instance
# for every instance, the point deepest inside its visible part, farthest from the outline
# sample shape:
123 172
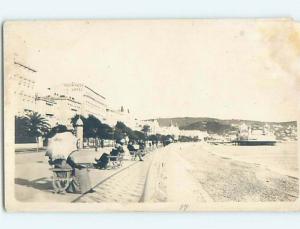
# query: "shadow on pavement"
41 184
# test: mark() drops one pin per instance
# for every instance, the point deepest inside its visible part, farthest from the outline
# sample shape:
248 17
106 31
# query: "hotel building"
23 85
80 99
58 110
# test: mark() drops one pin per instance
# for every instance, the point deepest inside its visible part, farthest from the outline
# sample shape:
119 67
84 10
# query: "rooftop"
24 66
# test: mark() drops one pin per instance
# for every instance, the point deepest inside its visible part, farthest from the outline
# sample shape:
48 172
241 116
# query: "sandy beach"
202 172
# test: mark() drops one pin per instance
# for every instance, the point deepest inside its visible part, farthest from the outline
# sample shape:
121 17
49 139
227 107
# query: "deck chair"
61 179
115 161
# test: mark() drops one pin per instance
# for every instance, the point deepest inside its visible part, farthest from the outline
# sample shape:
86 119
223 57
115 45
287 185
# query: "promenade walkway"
33 177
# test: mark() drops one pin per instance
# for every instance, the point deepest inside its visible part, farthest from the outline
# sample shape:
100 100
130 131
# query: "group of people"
80 172
102 162
136 149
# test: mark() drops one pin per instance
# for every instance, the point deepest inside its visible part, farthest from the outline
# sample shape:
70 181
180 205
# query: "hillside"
223 126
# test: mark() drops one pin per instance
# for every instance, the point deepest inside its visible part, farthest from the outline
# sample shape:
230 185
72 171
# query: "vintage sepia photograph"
151 115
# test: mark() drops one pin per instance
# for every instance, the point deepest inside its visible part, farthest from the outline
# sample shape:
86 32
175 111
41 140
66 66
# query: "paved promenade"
181 172
33 177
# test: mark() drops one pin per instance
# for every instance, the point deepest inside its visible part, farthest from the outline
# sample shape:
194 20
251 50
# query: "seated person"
131 147
103 160
81 181
142 145
135 149
115 152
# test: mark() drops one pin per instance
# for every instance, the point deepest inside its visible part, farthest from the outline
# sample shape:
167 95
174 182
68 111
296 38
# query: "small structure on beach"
248 136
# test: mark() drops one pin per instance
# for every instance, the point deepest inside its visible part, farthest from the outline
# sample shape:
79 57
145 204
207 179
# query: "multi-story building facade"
23 86
89 102
112 117
46 106
154 127
66 108
58 110
122 115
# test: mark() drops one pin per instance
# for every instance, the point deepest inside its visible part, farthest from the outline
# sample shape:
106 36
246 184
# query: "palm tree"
36 126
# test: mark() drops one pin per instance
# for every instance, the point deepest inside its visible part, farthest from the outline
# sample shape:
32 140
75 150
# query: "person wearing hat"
59 151
118 149
135 149
102 162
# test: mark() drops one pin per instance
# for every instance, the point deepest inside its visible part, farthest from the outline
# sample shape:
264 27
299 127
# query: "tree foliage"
105 132
21 134
29 127
155 137
93 127
137 135
36 125
55 130
146 129
32 125
121 131
187 139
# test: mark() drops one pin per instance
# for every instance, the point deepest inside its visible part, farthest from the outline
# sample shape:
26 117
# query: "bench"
61 179
115 161
134 154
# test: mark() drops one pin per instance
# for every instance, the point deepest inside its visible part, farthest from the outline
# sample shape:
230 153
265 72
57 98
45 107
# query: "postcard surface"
151 115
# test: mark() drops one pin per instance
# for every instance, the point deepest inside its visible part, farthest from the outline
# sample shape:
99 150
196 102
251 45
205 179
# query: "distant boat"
249 137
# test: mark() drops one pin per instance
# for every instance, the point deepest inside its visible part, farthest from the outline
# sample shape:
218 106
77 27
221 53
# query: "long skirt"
81 182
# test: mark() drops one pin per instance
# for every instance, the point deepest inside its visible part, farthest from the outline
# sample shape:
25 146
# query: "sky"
245 69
